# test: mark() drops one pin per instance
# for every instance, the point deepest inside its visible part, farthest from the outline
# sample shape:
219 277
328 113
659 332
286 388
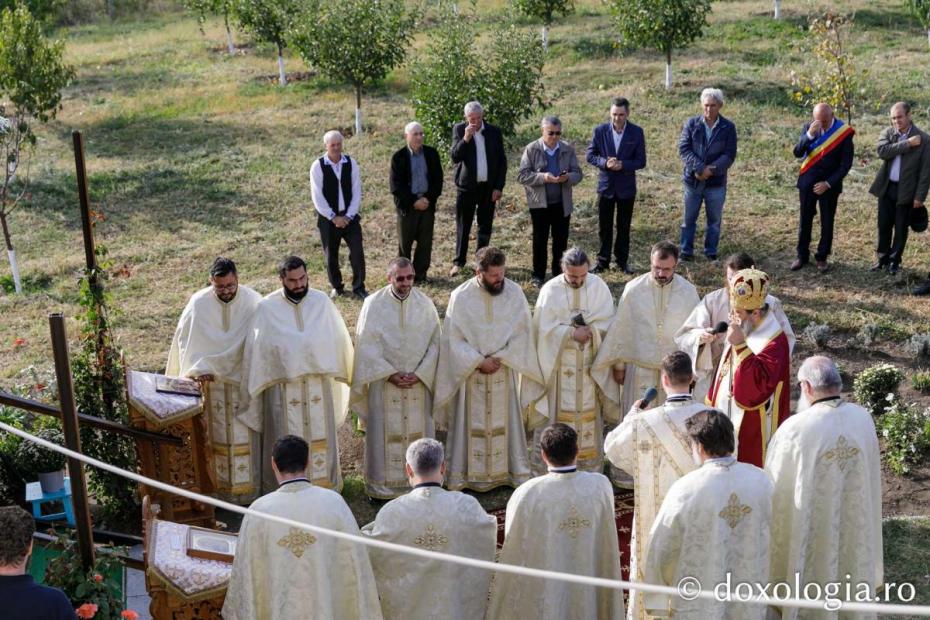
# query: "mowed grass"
193 154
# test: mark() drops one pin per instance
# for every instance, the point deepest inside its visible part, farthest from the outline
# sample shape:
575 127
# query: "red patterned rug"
623 511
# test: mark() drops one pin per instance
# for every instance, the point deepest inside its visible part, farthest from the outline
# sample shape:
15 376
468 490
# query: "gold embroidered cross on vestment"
297 541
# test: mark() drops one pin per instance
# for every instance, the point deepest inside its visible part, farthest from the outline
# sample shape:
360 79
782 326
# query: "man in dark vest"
336 189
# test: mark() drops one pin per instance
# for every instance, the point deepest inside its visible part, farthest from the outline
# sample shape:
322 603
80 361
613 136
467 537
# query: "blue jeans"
713 199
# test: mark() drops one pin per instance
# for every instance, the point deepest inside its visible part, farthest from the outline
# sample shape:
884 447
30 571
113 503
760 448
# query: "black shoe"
536 282
360 293
687 257
626 269
893 269
336 292
923 289
797 264
880 265
599 268
712 258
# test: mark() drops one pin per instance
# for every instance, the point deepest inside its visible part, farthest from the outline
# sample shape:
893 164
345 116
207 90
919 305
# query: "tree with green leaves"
269 21
505 75
32 76
354 41
920 10
665 25
43 10
545 10
204 8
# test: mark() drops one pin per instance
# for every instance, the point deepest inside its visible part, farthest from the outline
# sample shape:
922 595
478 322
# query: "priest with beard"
563 522
489 387
207 346
397 347
572 314
752 383
826 467
296 370
697 337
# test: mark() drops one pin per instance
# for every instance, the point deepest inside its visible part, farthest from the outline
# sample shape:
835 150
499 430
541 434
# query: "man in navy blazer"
618 150
826 145
707 147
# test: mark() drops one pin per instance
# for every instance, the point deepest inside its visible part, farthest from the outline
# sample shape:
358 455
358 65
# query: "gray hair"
574 257
412 126
473 107
397 264
550 120
425 456
821 373
332 135
712 93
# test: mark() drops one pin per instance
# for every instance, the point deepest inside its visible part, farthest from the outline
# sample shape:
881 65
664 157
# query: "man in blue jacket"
707 148
618 150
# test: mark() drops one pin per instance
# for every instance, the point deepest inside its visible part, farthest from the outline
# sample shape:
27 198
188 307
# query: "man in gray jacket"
548 170
901 184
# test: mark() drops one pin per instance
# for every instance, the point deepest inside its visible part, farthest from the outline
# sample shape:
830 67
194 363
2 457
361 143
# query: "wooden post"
90 254
69 423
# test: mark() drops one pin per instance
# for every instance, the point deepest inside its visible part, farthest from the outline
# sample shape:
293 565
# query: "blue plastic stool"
36 497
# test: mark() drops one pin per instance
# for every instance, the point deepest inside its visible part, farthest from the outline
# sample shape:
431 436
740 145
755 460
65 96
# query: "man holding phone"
548 170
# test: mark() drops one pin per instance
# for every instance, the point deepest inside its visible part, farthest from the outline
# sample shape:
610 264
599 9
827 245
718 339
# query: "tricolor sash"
826 142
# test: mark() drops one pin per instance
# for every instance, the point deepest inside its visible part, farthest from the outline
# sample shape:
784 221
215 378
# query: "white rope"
914 610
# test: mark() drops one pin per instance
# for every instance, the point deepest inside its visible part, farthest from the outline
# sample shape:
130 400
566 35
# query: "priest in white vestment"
573 312
653 446
296 370
826 466
397 347
282 572
651 309
429 517
207 346
695 337
564 522
488 384
713 527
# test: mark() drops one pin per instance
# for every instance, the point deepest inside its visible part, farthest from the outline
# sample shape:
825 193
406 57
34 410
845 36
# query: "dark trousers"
331 237
416 227
552 217
809 203
895 218
605 216
467 204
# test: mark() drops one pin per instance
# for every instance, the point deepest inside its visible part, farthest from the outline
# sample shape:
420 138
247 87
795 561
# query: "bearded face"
492 280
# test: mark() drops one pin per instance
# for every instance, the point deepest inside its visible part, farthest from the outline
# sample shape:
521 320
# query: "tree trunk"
358 110
545 38
282 77
668 69
11 253
229 39
777 9
928 36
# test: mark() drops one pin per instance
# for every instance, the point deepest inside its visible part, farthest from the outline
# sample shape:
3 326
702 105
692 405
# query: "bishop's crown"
748 288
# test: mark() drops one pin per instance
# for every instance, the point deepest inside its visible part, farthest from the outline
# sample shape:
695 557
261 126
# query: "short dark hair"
291 454
488 257
677 367
222 267
621 102
665 249
560 443
290 264
739 261
397 264
18 527
712 430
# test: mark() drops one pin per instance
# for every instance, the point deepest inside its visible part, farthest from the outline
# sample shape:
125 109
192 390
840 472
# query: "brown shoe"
822 266
454 271
797 264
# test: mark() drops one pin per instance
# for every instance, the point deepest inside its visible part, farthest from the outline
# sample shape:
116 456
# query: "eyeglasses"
228 287
403 278
416 133
553 133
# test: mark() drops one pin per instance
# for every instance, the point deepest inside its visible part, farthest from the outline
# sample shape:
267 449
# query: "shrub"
87 588
32 459
919 346
906 431
874 385
868 334
921 382
817 335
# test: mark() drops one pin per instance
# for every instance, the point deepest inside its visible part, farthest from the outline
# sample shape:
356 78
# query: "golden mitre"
748 289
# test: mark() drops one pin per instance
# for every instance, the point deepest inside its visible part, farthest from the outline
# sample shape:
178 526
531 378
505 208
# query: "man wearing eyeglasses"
207 346
397 347
416 183
548 170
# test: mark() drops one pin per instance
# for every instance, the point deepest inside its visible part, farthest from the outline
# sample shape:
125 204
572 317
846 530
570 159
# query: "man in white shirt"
336 189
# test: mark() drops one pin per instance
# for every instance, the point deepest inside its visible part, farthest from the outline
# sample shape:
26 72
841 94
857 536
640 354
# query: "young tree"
545 10
665 25
203 8
505 76
920 9
43 10
32 75
269 22
354 41
777 9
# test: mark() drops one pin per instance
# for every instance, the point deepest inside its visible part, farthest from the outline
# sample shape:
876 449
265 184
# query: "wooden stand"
186 466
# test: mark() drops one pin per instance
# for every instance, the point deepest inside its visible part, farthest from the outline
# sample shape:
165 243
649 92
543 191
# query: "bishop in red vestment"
752 383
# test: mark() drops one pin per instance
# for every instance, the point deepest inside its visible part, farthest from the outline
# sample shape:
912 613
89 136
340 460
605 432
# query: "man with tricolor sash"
752 383
826 146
